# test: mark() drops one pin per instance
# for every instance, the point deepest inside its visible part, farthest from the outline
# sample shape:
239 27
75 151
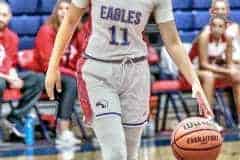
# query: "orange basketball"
196 139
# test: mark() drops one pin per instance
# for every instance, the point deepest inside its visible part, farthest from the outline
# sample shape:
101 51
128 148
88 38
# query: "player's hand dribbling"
204 106
53 79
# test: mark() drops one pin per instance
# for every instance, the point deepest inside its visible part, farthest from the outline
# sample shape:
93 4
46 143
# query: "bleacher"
28 16
190 15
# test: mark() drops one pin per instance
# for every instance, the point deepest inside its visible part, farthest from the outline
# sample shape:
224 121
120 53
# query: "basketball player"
113 76
215 57
221 7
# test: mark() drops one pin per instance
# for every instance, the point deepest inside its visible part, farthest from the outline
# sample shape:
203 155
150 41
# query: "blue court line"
39 150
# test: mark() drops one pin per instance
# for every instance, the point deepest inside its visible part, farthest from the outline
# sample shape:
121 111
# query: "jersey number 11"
124 38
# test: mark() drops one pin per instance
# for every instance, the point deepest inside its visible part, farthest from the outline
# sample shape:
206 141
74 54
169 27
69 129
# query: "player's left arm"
165 21
179 55
177 51
65 34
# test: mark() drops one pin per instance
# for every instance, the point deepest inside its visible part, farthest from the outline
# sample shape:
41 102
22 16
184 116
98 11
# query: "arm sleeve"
44 45
163 11
12 49
80 3
6 65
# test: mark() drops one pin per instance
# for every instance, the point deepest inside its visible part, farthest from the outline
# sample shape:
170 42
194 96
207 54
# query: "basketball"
196 139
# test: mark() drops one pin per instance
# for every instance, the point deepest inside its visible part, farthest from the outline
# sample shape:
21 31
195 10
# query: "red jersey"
45 41
9 42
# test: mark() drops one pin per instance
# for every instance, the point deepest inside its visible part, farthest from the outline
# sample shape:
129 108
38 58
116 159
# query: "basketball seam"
193 132
195 149
177 152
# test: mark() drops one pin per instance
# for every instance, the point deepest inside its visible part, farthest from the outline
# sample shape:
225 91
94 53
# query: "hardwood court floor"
231 151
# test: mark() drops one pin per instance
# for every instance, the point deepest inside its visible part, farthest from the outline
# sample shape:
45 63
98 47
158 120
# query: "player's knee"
3 85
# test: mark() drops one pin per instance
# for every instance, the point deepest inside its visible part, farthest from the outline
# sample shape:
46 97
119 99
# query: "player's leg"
207 78
133 139
135 106
32 89
105 105
110 134
66 100
236 93
3 86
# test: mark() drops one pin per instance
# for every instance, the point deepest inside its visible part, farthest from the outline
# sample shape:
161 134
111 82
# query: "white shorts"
116 89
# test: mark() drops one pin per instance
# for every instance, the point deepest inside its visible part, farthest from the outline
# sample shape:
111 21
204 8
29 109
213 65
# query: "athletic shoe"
17 128
16 124
67 138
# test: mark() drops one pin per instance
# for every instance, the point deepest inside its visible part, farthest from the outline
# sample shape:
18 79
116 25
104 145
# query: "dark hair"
217 16
53 19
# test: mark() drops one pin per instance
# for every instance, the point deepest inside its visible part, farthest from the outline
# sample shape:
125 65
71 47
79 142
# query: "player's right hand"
52 80
204 106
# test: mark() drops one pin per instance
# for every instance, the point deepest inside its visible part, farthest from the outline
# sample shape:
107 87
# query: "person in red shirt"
209 76
28 82
215 51
43 47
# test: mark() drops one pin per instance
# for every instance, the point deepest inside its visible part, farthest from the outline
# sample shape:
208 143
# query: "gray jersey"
117 26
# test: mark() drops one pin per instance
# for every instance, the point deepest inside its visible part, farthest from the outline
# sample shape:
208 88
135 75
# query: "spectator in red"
43 48
30 83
